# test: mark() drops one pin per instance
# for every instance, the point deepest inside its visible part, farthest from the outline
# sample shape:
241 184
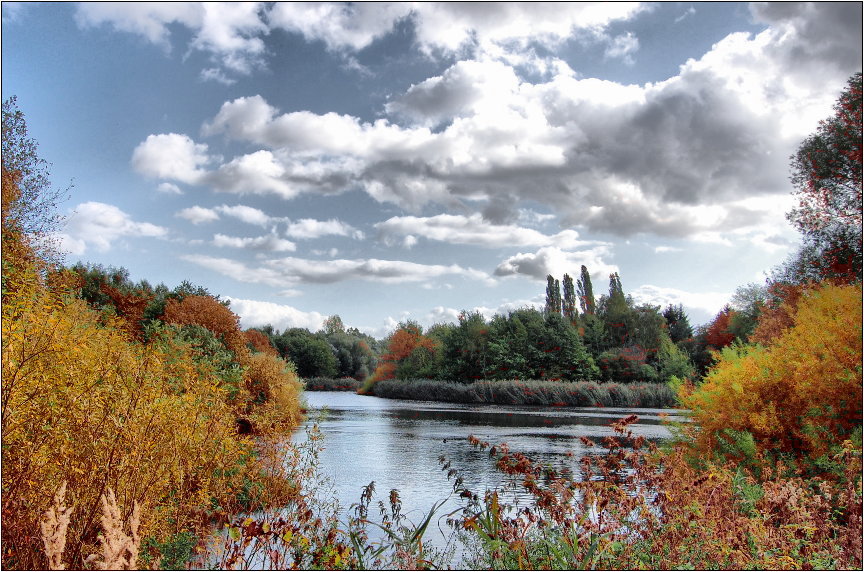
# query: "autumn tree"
405 341
827 175
208 312
35 202
718 334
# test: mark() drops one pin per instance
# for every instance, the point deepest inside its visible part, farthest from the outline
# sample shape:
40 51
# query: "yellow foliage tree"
82 403
801 394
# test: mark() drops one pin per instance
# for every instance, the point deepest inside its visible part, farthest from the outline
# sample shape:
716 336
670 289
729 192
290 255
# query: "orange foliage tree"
406 340
799 395
260 342
208 312
718 334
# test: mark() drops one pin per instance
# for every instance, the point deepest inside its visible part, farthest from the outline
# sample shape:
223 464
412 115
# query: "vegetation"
536 392
136 419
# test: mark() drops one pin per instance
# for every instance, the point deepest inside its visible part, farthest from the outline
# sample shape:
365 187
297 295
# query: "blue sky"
391 161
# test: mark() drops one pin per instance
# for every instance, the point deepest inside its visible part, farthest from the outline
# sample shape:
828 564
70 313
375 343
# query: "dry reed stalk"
54 528
119 551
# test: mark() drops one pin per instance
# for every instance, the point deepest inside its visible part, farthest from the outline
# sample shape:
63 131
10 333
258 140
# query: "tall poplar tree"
569 304
586 293
553 295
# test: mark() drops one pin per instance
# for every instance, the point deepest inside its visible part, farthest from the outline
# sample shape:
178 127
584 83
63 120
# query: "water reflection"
397 443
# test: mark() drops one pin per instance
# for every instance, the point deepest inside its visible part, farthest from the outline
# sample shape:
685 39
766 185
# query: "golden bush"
801 394
84 404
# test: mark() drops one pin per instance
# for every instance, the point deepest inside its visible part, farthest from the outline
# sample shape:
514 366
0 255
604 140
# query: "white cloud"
101 226
340 26
171 156
198 215
664 249
707 302
473 230
670 159
247 214
267 243
169 188
228 31
292 271
623 47
255 314
310 228
557 262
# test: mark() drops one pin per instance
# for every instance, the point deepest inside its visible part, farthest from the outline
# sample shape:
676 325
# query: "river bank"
511 392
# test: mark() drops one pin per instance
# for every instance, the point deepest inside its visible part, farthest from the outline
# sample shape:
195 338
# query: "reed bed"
530 392
331 384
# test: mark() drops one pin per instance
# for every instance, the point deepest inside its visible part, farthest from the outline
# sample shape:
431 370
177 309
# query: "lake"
397 443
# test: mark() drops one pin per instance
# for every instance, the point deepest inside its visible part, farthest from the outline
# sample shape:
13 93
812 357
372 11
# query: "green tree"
827 175
553 295
466 349
310 353
568 307
586 292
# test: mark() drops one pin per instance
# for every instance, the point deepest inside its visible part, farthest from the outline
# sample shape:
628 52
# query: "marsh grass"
332 384
530 392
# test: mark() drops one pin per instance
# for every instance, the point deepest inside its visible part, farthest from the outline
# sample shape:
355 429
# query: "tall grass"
331 384
532 392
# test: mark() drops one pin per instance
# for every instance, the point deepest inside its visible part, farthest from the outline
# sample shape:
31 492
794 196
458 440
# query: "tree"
401 344
586 292
718 335
827 175
310 353
553 296
333 325
568 307
35 207
466 349
678 325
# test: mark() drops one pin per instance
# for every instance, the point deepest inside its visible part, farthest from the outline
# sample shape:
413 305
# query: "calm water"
397 443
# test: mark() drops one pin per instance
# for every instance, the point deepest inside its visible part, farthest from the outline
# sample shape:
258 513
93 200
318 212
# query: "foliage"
408 352
83 403
586 292
798 395
332 384
258 341
310 353
530 392
210 313
826 172
553 296
34 206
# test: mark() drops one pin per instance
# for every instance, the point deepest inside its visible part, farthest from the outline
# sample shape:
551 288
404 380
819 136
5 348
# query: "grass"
530 392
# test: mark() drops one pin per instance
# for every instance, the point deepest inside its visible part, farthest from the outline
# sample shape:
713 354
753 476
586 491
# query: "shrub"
800 395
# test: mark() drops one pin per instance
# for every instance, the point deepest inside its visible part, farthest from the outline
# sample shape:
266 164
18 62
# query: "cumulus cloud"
101 226
671 159
171 156
556 261
292 271
473 230
198 215
310 228
229 32
247 214
255 314
707 303
267 243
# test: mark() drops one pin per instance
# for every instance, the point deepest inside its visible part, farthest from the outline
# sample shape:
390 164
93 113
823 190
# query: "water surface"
397 443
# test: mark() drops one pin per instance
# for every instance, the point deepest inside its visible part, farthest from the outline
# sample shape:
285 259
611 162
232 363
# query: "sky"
394 161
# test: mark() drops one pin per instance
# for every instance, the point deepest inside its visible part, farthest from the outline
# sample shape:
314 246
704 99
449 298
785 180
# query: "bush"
799 396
